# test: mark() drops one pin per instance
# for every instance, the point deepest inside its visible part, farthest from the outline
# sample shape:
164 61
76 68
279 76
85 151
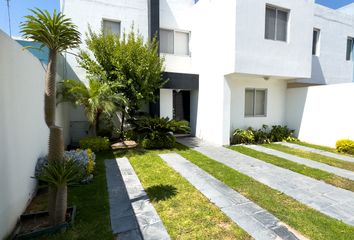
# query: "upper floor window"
174 42
110 26
316 42
276 24
350 49
255 102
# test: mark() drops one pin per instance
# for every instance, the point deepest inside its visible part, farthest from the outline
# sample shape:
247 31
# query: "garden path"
327 199
314 164
259 223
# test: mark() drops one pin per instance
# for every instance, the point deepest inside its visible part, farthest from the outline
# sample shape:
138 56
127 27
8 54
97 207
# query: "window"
350 48
276 24
174 42
111 27
255 102
316 42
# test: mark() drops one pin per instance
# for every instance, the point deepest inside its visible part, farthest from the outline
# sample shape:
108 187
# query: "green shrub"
281 133
156 133
159 142
243 136
96 144
263 135
345 146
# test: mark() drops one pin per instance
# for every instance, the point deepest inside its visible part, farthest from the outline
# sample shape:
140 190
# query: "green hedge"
96 144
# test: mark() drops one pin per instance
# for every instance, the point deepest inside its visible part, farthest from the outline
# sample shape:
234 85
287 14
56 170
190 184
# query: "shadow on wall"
317 72
295 108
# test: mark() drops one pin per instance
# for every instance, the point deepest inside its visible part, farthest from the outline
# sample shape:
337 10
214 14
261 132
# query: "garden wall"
23 132
321 114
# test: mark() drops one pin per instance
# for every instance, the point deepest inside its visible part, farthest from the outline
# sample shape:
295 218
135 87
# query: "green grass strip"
312 156
185 212
306 220
92 219
324 148
318 174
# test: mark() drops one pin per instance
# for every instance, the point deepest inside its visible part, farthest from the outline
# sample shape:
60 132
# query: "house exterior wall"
331 66
23 132
275 103
320 114
166 103
256 55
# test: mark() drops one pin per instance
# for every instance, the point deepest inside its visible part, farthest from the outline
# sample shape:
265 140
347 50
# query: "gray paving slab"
310 163
259 223
318 151
150 224
123 220
327 199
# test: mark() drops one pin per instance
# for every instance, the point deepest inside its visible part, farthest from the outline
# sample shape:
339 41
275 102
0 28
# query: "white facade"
229 51
23 132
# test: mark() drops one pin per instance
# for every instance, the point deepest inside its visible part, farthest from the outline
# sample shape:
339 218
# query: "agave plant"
58 33
97 98
60 174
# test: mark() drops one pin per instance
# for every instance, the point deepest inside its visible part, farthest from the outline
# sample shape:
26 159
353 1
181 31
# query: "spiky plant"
96 98
58 33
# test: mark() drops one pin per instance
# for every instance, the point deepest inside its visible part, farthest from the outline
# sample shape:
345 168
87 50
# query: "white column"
166 103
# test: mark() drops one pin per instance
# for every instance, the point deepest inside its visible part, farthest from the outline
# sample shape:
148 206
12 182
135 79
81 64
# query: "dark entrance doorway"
181 105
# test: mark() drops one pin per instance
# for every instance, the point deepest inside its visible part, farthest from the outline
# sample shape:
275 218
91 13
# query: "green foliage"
263 135
281 133
158 141
97 98
345 146
56 32
243 136
61 173
156 133
129 61
96 144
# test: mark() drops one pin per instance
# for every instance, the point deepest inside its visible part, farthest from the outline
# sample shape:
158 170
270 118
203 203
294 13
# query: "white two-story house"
230 62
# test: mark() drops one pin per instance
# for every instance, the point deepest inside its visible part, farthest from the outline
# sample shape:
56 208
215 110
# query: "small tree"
58 33
97 98
128 60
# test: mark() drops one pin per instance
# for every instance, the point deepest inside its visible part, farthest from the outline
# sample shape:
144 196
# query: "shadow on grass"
161 192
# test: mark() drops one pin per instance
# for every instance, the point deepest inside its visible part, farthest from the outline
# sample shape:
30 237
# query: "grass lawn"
185 212
313 156
306 220
92 217
329 178
324 148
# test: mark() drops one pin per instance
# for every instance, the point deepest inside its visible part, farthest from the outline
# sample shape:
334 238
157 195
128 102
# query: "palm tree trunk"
55 153
50 93
97 122
61 204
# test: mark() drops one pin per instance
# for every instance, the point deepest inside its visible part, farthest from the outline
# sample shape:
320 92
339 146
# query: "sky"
19 8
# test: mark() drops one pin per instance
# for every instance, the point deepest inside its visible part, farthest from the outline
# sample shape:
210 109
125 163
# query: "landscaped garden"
124 74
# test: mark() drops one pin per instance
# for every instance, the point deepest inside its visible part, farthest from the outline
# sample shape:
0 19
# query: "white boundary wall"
23 132
321 114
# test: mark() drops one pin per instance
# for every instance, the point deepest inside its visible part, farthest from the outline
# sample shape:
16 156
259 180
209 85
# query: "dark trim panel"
154 20
183 81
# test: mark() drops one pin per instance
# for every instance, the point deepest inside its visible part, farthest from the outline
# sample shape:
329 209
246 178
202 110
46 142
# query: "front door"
181 105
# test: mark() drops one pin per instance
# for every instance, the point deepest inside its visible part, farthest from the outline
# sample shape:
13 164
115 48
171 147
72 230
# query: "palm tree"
97 98
58 33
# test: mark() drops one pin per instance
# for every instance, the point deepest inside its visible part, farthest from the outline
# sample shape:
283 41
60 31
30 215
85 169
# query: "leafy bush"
156 133
345 146
96 144
85 159
263 135
243 136
281 133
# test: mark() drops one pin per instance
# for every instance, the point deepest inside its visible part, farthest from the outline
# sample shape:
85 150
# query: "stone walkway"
314 164
132 215
318 151
259 223
332 201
